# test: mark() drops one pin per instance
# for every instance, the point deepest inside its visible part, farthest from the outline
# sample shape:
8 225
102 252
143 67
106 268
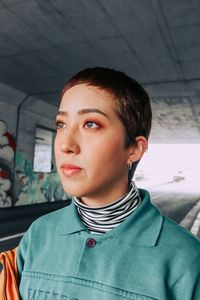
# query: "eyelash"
92 122
60 124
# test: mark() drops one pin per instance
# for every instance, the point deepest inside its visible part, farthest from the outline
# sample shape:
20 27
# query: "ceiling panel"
47 85
131 16
31 41
33 65
187 42
51 24
9 22
191 70
11 2
10 71
9 47
181 13
68 59
87 17
116 53
155 56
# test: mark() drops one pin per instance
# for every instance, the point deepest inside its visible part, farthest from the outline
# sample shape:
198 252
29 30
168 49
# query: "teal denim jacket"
146 257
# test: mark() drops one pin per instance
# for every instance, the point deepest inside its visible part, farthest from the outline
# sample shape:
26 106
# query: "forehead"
87 96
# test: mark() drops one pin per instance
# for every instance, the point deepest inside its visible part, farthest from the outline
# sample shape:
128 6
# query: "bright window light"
170 163
43 150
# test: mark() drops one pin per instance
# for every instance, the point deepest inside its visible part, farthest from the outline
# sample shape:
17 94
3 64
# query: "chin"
73 191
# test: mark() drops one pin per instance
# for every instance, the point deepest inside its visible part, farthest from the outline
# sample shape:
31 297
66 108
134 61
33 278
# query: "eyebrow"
83 111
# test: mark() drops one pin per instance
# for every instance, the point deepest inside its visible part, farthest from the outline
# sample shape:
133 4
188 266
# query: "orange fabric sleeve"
9 276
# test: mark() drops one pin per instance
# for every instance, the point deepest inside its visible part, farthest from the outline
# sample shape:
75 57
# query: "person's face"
89 146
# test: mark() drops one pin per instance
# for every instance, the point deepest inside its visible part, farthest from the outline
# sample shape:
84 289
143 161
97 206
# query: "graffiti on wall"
7 150
29 187
36 187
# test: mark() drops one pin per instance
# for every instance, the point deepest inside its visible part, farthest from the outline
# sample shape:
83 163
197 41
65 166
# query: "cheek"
107 151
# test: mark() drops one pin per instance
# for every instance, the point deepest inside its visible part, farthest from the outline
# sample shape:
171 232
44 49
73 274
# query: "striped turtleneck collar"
103 219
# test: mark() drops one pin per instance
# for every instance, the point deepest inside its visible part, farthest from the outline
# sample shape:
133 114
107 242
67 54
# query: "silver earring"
130 165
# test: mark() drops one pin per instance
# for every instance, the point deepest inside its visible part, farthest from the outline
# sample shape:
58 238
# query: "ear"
137 149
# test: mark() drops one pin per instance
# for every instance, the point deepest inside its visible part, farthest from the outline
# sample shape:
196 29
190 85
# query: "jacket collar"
144 225
141 228
70 220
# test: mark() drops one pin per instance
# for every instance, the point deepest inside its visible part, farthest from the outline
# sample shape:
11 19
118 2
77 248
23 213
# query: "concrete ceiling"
44 42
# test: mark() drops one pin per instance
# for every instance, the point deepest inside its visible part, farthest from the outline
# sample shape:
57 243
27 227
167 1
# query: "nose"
69 142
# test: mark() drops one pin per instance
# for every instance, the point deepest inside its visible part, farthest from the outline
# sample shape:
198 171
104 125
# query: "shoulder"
45 231
48 225
178 234
179 241
52 216
169 235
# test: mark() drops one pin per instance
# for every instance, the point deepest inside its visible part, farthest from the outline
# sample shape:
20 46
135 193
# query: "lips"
69 169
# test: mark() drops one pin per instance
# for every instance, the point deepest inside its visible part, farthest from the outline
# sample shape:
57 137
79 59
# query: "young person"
111 242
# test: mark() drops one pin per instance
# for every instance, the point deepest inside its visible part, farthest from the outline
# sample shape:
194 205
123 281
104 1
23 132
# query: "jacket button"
91 242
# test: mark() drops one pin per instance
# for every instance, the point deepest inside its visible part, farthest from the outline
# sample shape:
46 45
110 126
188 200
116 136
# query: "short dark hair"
131 100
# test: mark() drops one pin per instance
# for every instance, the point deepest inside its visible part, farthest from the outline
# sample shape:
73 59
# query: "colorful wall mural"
7 150
36 187
24 186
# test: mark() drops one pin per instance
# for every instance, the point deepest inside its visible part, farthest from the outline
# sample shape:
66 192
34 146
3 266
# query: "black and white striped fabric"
102 219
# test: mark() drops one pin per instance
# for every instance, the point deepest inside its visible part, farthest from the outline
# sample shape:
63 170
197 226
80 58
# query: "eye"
91 125
59 124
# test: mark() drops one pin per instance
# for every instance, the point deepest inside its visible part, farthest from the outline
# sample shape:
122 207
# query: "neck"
103 219
103 198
